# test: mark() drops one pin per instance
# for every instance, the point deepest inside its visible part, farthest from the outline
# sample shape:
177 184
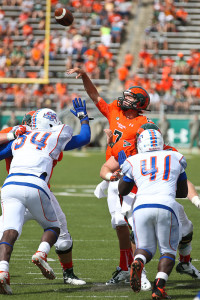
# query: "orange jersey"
129 147
122 128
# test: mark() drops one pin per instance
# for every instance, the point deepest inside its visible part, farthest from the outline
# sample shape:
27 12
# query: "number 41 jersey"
155 174
34 151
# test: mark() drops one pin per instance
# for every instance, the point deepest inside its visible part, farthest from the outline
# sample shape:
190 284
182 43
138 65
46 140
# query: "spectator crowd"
22 53
162 74
22 47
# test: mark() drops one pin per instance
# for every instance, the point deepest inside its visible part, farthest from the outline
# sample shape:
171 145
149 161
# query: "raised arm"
83 138
88 85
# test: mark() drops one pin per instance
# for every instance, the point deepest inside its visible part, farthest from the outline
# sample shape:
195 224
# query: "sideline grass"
95 252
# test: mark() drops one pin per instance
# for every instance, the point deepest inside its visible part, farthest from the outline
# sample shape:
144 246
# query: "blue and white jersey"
156 174
34 151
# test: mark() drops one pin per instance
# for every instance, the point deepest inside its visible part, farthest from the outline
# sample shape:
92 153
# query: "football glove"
116 175
80 109
19 131
121 157
196 201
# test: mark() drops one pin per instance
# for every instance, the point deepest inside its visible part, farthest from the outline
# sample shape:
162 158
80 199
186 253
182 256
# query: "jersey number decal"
154 169
119 135
40 144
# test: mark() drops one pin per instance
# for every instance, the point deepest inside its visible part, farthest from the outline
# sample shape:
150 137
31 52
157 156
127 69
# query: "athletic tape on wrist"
10 136
108 176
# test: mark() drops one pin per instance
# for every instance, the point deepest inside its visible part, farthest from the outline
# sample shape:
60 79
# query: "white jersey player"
26 187
160 177
35 151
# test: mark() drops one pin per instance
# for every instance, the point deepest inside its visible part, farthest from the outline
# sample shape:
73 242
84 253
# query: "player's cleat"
197 296
158 292
189 269
118 276
70 278
145 283
40 260
135 276
5 283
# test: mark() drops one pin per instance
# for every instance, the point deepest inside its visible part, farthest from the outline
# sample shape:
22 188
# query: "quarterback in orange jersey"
125 118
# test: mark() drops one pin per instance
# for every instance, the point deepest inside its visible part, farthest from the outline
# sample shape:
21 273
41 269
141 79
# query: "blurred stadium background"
120 43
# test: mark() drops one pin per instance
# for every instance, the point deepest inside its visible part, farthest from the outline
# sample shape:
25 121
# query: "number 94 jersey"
34 151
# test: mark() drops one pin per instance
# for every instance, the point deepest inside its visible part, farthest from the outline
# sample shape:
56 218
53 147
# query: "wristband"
10 136
81 115
196 201
108 176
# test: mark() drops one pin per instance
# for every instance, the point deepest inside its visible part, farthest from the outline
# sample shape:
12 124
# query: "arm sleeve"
127 179
182 176
81 139
5 150
183 162
103 107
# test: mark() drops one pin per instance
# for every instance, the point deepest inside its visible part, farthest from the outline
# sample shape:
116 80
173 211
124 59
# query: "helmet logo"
50 116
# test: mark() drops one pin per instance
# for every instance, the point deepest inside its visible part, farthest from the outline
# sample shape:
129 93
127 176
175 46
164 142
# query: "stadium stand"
103 33
93 41
170 57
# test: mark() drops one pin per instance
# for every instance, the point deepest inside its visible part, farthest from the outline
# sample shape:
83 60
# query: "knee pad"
186 239
184 246
117 219
64 246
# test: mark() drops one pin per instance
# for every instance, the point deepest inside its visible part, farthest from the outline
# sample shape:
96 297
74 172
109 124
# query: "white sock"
141 257
44 247
162 275
4 266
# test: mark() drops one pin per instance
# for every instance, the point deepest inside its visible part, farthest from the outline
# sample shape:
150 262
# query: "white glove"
196 201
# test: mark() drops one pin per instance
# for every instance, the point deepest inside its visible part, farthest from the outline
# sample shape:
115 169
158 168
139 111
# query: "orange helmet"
27 118
140 97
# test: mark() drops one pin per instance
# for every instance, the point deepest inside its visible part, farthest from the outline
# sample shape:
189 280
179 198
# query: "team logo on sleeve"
126 144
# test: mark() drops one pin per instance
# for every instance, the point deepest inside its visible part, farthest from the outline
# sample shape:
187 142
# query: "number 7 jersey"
34 151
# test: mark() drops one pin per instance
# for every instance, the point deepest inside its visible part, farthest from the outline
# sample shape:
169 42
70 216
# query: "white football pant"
156 225
21 192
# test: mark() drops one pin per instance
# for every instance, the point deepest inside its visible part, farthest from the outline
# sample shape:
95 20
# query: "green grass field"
95 252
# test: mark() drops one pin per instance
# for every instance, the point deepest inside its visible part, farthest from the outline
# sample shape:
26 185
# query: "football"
64 16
